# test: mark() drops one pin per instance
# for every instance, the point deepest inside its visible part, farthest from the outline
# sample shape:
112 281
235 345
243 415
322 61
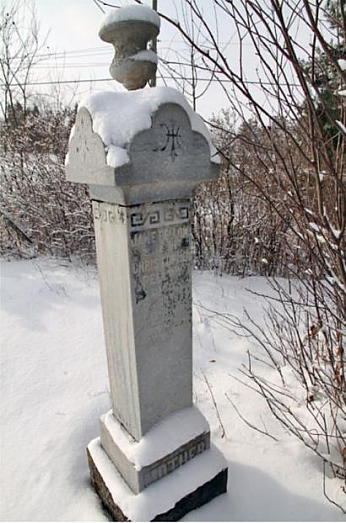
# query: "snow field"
54 388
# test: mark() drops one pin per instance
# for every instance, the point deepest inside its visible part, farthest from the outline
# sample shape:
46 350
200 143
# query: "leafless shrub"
54 214
284 176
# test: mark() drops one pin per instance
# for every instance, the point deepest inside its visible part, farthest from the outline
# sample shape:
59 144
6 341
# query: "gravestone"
142 154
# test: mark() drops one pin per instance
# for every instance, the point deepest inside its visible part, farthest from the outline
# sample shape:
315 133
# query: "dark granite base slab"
201 496
193 500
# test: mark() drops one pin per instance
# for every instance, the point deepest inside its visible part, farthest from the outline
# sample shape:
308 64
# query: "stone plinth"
141 178
199 481
161 451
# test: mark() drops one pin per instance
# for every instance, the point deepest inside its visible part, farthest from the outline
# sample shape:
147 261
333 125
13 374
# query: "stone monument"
142 153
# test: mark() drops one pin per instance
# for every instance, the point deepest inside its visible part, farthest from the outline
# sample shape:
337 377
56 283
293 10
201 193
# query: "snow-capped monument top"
143 145
129 29
118 116
130 13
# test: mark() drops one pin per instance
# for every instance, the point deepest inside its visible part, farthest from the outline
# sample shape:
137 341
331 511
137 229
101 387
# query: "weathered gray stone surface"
86 159
112 492
129 32
144 261
139 475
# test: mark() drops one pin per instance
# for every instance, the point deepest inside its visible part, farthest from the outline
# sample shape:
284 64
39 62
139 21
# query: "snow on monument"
142 154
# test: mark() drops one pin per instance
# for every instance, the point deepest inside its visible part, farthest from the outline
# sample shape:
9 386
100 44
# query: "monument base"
169 499
172 442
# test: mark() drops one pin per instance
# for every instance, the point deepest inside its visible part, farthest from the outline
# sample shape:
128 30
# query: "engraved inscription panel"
161 265
160 253
171 462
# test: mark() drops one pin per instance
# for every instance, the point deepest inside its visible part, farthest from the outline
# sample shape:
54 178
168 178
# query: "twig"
98 5
325 491
223 432
14 224
247 422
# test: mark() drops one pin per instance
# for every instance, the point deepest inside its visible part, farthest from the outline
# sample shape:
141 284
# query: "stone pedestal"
153 460
167 500
166 447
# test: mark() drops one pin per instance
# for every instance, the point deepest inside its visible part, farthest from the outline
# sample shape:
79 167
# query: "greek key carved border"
115 214
158 217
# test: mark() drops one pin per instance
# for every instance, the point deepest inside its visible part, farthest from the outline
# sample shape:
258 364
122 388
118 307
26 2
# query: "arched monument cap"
140 146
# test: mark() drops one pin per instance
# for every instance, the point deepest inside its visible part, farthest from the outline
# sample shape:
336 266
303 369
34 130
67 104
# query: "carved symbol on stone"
154 217
113 215
140 218
140 293
137 219
184 212
170 141
169 214
173 213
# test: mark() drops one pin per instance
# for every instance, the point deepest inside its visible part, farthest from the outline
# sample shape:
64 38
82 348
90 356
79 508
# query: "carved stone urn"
129 30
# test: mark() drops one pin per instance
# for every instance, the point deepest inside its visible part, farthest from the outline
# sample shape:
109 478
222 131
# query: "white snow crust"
341 126
342 64
118 117
131 12
54 388
162 439
145 56
116 156
162 495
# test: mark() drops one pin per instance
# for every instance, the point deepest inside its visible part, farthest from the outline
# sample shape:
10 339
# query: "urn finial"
129 29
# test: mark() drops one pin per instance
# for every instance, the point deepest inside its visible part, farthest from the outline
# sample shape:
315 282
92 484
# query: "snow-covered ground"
54 387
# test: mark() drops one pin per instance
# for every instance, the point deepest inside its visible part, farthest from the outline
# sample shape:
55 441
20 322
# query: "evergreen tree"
325 75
